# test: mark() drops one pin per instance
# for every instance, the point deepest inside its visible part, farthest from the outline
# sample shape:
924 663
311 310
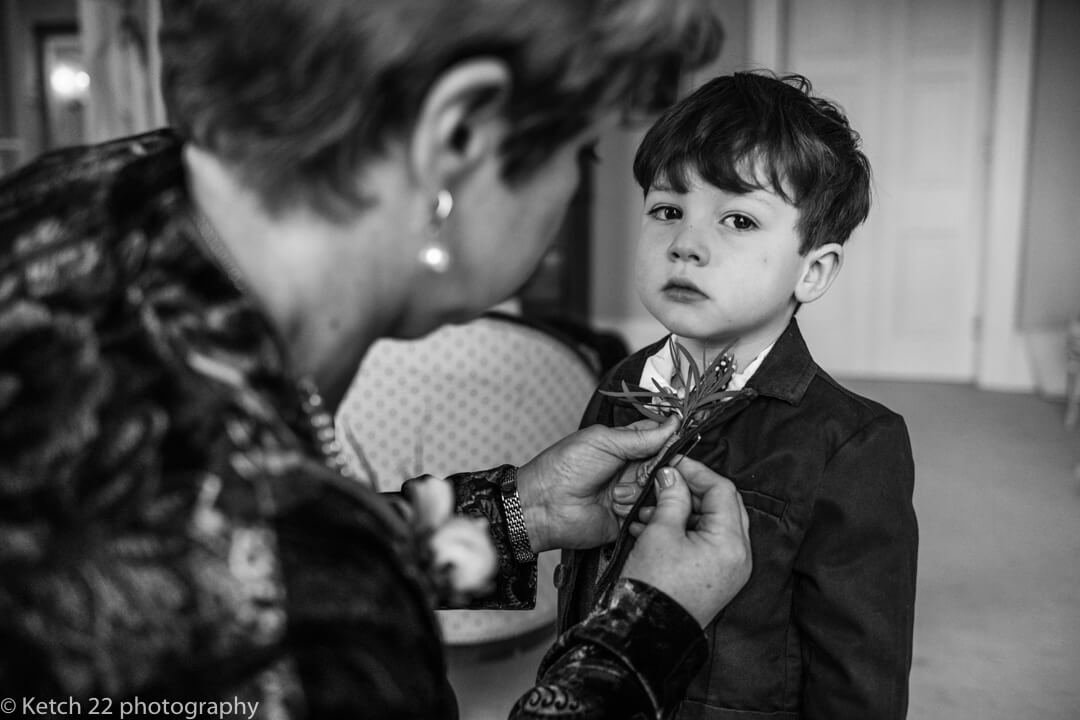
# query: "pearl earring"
434 254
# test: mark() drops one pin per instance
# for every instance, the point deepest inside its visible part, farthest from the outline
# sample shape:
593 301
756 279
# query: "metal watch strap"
515 520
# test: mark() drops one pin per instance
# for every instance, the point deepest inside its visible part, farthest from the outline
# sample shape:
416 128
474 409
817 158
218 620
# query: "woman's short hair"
295 95
754 130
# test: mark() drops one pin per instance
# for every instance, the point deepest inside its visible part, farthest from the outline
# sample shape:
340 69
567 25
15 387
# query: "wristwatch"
515 521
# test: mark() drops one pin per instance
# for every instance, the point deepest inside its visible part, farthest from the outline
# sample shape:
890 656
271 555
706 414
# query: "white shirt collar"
740 378
659 367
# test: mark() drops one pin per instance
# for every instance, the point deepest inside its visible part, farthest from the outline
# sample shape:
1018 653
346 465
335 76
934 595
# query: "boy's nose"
686 248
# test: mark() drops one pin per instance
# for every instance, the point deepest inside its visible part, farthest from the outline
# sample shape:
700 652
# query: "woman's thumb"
646 437
672 499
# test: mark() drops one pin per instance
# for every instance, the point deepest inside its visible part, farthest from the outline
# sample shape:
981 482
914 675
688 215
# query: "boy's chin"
695 333
680 321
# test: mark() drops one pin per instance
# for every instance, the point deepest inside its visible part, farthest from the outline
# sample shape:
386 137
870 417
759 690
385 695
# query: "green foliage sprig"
696 394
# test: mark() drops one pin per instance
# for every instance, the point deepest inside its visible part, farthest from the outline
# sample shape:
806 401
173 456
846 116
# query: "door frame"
1001 356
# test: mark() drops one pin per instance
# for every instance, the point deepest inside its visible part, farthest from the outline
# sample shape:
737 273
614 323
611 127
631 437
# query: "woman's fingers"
645 516
645 469
700 562
625 493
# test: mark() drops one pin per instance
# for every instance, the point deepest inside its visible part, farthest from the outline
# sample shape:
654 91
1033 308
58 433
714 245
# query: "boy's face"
716 267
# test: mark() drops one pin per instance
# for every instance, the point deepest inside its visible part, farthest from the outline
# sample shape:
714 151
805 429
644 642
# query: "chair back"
467 397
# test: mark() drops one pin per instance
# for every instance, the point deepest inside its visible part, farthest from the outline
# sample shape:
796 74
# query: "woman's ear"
460 124
820 267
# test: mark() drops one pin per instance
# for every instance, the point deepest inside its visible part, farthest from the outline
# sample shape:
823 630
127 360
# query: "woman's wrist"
532 510
521 539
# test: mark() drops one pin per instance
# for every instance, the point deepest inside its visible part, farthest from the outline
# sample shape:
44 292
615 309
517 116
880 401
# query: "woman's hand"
564 491
701 563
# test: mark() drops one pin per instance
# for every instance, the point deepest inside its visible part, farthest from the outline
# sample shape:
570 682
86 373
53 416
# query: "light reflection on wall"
66 91
69 82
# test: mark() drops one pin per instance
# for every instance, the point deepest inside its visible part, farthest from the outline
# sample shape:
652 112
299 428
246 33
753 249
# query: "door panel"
914 78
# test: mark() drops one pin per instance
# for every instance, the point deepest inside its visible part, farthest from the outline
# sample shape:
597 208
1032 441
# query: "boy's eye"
738 221
666 212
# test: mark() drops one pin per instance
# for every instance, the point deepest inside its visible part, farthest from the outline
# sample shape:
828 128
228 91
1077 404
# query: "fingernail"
622 492
666 477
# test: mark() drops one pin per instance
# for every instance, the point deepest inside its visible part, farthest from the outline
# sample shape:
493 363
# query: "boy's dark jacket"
823 628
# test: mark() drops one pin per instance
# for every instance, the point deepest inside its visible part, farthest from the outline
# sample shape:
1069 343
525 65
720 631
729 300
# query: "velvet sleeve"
478 495
855 580
632 657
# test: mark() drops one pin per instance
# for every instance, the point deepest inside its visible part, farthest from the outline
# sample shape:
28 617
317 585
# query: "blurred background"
959 305
966 271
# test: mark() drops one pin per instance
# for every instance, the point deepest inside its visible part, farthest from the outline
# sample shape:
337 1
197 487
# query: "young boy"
752 186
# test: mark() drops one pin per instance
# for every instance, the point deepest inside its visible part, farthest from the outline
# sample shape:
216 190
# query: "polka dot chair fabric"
466 397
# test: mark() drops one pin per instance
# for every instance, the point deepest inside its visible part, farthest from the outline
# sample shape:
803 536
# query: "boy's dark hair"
756 122
297 94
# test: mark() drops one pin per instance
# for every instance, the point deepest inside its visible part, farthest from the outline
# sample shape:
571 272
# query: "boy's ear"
820 267
460 124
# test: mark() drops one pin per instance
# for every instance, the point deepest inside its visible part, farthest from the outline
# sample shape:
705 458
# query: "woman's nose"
687 247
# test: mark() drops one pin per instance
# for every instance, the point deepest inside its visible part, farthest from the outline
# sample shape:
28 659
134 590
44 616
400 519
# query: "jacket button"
559 577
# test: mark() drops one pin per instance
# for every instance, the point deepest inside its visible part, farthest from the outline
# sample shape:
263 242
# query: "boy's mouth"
681 290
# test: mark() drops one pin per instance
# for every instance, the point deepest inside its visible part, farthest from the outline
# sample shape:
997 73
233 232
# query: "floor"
997 633
997 625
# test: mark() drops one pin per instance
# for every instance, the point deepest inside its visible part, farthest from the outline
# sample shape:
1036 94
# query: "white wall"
1050 289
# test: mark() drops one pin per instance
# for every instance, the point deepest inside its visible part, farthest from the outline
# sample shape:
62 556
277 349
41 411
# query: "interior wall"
1050 284
20 18
617 201
6 121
